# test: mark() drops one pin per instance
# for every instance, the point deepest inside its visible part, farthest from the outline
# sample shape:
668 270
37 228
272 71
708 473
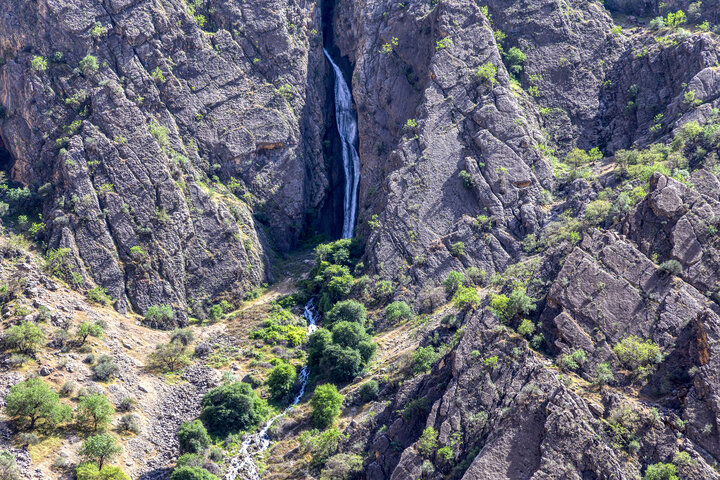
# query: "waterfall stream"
242 466
348 129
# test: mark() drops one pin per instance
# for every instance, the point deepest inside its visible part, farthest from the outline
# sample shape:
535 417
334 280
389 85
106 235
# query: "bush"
515 59
367 350
25 338
281 380
34 400
8 466
369 391
572 361
184 336
191 473
94 411
508 307
348 311
320 445
99 448
88 64
318 341
90 471
342 466
526 327
105 368
326 404
673 267
453 281
603 374
88 329
423 358
657 23
661 471
347 334
38 64
398 311
99 295
232 407
193 437
129 423
126 404
466 297
638 355
427 444
343 363
159 316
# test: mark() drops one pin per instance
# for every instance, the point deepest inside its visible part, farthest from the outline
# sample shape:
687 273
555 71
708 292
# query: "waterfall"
347 127
258 442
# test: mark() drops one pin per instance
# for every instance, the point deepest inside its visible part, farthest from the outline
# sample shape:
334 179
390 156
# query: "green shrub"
232 407
192 473
8 466
94 411
488 72
183 336
458 249
572 361
193 437
38 64
446 454
369 391
346 310
88 64
398 311
99 295
320 445
169 357
129 423
90 471
25 338
428 442
281 326
367 350
661 471
526 328
159 316
453 281
508 307
100 448
423 359
466 297
326 405
673 267
603 374
638 355
515 59
343 466
105 368
281 380
318 341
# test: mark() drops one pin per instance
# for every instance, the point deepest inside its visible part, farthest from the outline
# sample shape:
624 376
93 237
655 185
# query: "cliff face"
181 151
136 141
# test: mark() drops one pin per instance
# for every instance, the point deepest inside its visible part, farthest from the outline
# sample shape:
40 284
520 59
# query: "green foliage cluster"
171 356
231 408
343 466
159 316
331 279
398 311
25 338
281 326
326 405
507 308
33 401
639 356
423 359
193 437
320 445
661 471
100 448
281 380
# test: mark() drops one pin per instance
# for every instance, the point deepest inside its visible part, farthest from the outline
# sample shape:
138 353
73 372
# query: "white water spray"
242 465
347 127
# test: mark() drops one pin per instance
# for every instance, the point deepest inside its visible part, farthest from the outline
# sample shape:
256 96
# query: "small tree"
317 343
398 311
661 471
33 400
342 466
184 336
428 442
348 311
281 380
94 411
105 368
343 363
24 338
423 358
192 473
159 316
88 64
603 375
466 297
453 281
169 357
193 437
232 407
369 391
347 334
326 404
100 448
90 471
8 466
87 329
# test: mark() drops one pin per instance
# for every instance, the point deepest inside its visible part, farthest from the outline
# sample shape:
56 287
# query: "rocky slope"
559 157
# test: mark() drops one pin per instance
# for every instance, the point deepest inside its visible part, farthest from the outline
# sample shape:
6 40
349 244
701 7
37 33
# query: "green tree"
281 380
369 390
343 363
232 407
100 448
87 329
346 310
398 311
8 466
466 297
38 64
638 355
515 59
169 357
423 358
192 473
453 281
348 334
326 405
94 411
321 445
193 437
317 343
342 466
34 400
88 64
24 338
159 316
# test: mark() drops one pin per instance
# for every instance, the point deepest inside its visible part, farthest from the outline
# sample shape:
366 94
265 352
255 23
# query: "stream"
243 466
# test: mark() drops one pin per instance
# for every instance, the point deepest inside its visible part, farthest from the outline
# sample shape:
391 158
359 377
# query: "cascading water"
243 466
347 127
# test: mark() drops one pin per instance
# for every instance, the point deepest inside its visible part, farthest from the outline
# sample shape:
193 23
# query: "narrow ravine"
242 466
346 120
